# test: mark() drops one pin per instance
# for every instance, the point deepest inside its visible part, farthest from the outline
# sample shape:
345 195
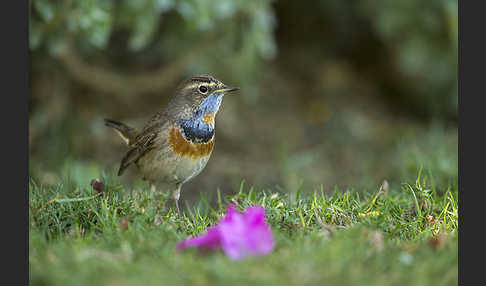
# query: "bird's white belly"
169 168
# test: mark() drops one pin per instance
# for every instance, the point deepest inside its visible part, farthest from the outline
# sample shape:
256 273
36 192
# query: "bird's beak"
227 88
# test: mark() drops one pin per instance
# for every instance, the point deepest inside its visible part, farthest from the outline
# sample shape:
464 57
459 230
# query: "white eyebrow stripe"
197 84
192 85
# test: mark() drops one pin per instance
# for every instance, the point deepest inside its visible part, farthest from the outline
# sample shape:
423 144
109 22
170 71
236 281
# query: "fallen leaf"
98 186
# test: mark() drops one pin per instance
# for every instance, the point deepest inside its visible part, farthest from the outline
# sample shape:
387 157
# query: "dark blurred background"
333 93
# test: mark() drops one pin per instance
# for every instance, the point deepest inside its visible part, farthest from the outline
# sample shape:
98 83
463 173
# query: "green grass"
405 236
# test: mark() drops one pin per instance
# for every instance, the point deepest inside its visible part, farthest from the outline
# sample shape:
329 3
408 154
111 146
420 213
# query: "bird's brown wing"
145 141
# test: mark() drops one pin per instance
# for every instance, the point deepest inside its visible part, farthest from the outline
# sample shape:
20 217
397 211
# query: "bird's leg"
176 193
155 194
152 188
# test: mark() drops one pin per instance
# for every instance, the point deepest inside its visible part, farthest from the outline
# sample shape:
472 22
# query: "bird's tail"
127 133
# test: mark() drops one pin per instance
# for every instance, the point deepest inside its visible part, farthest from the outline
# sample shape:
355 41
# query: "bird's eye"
203 89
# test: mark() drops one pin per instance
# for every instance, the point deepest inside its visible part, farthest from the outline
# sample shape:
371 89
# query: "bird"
176 143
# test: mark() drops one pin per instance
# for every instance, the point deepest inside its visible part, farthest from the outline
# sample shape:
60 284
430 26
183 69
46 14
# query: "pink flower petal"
239 235
209 240
246 234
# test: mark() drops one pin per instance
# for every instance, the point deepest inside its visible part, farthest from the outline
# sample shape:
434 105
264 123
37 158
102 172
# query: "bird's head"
199 98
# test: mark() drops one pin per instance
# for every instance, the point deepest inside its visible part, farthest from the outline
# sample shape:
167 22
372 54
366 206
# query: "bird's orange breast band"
183 147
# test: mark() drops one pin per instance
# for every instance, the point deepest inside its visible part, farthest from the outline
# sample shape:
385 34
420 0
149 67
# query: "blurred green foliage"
408 48
94 20
160 30
422 37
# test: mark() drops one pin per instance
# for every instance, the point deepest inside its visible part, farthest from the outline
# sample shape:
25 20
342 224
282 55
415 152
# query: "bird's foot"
179 215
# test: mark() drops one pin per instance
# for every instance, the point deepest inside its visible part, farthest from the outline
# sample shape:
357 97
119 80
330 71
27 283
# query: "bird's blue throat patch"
198 129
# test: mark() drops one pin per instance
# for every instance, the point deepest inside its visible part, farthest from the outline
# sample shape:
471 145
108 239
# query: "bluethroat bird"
176 143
